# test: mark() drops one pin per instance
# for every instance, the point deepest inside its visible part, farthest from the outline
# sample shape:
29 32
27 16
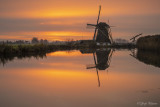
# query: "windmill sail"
97 23
102 33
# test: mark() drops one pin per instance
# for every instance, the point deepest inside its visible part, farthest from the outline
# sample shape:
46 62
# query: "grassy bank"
29 48
10 52
151 43
45 48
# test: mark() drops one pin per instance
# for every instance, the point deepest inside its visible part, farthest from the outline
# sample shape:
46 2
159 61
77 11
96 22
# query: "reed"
8 52
29 48
151 43
45 48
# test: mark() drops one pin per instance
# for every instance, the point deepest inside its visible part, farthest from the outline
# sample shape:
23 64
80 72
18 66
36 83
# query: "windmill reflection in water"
102 60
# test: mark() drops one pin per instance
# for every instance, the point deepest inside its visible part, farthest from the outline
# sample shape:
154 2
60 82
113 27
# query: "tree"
45 41
35 40
41 41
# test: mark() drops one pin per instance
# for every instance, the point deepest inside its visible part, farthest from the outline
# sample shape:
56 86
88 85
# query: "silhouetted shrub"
149 43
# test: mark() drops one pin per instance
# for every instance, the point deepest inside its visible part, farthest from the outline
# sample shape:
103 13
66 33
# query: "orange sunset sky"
67 19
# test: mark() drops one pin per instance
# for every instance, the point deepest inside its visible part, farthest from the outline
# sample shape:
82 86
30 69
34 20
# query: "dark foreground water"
104 78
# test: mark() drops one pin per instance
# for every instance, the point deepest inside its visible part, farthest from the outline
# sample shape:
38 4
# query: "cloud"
27 18
67 8
16 25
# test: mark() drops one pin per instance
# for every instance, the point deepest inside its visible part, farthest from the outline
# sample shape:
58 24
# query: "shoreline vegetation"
39 48
149 50
46 48
9 52
149 43
43 46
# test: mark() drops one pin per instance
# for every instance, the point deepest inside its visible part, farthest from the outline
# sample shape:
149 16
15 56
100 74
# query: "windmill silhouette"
102 33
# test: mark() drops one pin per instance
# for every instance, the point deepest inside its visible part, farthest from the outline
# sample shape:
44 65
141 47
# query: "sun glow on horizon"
67 54
51 35
66 19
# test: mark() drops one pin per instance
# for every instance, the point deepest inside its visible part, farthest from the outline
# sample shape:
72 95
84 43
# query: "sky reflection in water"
62 80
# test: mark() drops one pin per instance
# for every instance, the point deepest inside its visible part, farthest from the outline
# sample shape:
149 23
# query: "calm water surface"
73 79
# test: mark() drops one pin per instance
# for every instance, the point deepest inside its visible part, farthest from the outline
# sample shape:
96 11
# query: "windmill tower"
102 34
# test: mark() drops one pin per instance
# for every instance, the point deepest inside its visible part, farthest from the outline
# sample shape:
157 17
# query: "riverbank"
31 48
149 43
46 48
9 52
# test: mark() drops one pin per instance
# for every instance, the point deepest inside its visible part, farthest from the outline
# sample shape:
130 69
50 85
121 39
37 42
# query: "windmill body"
102 34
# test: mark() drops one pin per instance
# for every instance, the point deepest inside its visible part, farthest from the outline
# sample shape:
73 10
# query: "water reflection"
147 57
4 59
62 80
102 59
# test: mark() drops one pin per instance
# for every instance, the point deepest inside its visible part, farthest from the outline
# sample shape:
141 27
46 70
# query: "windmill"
102 33
102 60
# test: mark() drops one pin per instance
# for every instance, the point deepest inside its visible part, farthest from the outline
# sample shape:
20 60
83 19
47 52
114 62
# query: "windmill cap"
103 24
